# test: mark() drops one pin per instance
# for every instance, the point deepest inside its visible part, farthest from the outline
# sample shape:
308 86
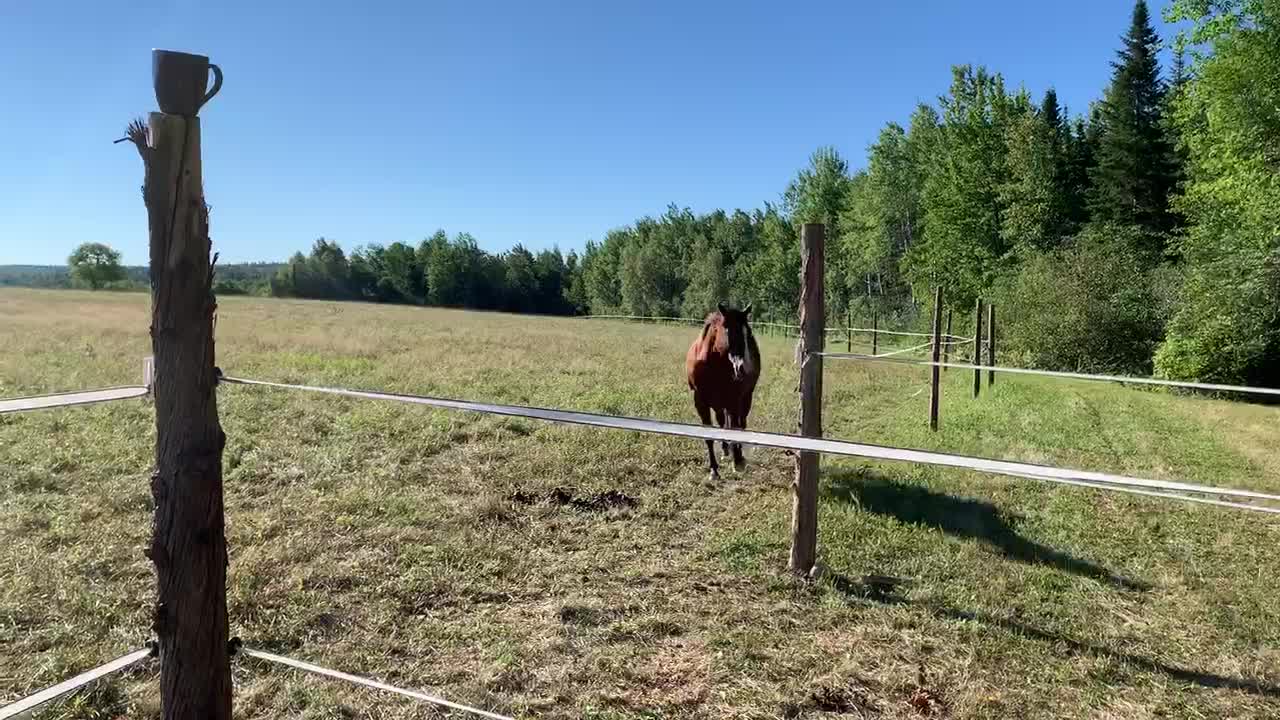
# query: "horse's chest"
715 383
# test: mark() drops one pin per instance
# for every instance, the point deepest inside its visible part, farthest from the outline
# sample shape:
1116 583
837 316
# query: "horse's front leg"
704 413
740 423
720 420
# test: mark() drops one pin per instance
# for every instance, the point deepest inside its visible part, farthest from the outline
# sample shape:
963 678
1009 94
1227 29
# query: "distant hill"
246 275
34 276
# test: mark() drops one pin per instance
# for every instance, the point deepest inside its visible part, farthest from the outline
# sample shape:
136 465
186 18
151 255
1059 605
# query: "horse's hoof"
713 476
739 465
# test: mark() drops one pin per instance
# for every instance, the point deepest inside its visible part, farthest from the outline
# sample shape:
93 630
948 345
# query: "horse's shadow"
962 517
877 589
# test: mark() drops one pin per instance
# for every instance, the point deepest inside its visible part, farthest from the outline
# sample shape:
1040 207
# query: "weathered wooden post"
991 344
188 545
875 333
946 349
804 508
935 387
977 347
848 329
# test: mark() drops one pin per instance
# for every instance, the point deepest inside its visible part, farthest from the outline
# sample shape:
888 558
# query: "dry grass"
429 549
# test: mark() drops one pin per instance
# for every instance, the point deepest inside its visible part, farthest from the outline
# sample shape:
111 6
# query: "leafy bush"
1090 306
1228 330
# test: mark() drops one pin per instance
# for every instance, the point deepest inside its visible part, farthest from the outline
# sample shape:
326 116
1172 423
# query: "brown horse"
723 365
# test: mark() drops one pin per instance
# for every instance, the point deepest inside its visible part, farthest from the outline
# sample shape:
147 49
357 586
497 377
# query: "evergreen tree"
1052 115
1080 159
1135 173
1054 119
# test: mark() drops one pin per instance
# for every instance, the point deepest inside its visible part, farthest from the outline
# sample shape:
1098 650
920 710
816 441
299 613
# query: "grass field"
444 551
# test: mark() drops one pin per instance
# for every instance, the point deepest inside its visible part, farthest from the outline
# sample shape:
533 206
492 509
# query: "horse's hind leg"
720 415
704 413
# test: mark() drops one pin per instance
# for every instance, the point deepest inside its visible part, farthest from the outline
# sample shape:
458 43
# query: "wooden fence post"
875 333
935 387
848 329
188 545
977 347
946 349
991 343
804 508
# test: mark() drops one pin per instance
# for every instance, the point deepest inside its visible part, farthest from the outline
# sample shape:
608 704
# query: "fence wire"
905 350
1214 387
366 682
793 442
788 326
81 397
31 702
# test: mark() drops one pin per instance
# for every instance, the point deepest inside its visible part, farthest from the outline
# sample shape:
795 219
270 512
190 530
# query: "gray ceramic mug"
180 80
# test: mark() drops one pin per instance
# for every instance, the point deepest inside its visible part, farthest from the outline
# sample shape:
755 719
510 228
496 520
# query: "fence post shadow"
962 517
875 589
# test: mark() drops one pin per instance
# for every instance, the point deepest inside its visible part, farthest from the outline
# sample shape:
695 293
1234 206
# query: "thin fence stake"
848 328
935 386
991 344
946 350
977 346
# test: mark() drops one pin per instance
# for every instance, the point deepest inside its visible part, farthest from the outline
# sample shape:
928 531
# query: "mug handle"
217 84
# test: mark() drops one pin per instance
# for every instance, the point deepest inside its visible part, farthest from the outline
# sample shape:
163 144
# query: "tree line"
95 266
442 271
1139 234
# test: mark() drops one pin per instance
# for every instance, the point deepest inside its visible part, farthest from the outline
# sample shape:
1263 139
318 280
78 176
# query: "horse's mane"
714 326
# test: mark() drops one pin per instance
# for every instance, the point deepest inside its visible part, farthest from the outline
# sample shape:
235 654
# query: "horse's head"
737 329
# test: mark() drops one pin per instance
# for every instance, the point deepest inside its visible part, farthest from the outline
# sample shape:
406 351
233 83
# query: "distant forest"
1140 234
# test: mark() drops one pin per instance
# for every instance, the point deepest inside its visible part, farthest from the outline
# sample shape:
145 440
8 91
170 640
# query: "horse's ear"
746 311
720 307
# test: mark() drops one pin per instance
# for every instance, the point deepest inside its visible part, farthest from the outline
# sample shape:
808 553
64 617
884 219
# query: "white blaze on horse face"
737 361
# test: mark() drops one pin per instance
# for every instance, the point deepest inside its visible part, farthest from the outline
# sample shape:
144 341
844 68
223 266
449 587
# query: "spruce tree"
1053 119
1081 159
1135 171
1052 114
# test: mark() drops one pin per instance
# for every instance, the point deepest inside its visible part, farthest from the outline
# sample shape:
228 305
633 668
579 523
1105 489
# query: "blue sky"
538 123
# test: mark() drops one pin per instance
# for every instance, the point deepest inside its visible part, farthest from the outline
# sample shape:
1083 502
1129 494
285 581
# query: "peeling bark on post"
188 546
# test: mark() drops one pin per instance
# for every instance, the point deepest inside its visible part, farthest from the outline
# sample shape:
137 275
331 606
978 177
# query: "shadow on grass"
961 517
876 589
